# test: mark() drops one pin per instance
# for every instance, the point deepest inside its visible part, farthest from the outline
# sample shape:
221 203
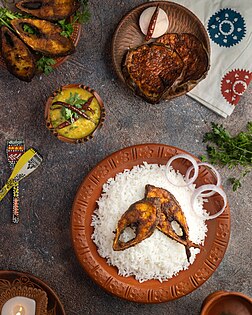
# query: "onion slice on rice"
209 187
216 173
194 165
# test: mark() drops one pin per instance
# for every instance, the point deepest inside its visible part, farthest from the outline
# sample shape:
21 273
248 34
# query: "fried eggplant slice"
191 51
152 69
17 56
51 10
170 212
45 37
142 217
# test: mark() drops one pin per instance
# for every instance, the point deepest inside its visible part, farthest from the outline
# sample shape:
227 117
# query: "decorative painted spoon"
14 150
26 164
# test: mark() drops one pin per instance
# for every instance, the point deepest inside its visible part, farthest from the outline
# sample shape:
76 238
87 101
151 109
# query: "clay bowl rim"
49 103
187 86
217 296
12 274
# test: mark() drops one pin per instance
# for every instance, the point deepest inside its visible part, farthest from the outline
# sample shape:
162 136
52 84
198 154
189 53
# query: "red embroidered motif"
234 84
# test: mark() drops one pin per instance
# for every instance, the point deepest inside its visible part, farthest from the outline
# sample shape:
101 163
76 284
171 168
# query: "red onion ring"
194 164
198 192
217 175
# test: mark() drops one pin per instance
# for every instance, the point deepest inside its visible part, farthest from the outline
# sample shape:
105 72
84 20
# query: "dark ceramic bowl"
181 20
224 302
50 126
75 36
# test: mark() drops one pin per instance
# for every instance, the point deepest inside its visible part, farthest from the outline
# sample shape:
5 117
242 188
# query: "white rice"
157 257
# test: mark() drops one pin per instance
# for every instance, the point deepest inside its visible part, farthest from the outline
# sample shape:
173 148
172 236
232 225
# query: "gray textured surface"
41 243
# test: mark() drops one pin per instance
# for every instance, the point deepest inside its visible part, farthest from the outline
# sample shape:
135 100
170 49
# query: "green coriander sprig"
75 100
67 28
81 16
6 16
231 151
44 64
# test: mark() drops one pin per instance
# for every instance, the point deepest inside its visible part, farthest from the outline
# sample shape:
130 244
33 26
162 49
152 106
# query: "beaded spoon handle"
14 150
27 163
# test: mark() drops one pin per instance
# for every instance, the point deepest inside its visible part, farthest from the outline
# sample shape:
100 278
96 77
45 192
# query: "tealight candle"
19 305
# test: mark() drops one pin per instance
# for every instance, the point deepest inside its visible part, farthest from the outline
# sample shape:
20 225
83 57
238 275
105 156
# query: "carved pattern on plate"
101 171
223 230
123 157
87 192
145 152
202 275
215 255
183 288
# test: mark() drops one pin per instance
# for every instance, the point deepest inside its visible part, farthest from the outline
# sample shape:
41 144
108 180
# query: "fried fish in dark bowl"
164 67
74 113
40 41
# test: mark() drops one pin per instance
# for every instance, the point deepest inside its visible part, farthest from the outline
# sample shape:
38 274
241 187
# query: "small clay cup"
52 129
225 302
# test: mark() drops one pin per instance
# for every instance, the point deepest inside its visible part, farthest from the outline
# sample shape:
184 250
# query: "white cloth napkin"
229 26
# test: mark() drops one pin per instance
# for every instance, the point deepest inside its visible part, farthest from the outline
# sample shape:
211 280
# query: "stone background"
40 244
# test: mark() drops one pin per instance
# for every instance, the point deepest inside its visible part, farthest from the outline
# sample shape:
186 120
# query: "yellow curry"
75 113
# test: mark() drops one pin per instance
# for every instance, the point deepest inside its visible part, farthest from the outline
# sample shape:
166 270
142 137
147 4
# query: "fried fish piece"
45 38
151 69
17 56
192 52
143 216
170 212
51 10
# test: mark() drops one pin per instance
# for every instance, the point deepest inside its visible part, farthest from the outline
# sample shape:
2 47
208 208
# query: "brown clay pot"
52 129
227 303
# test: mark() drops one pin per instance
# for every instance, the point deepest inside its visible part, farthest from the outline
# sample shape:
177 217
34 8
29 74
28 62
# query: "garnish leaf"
45 64
231 151
67 28
28 29
6 16
75 100
83 14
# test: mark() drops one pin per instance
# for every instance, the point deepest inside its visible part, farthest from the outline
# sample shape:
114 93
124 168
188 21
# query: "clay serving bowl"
227 303
67 125
181 20
75 36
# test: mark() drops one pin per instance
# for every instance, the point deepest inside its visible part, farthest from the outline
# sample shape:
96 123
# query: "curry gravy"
81 127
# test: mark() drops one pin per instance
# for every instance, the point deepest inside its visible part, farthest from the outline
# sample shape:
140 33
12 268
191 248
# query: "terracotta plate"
8 278
106 276
181 20
74 37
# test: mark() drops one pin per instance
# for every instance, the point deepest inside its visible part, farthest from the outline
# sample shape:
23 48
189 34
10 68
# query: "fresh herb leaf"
236 183
75 100
28 29
45 64
6 16
231 151
67 113
67 28
83 14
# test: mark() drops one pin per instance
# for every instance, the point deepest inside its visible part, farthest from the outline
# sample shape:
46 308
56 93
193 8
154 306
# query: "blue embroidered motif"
226 27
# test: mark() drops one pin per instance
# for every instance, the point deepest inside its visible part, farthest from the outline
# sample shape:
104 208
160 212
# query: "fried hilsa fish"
170 212
143 217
